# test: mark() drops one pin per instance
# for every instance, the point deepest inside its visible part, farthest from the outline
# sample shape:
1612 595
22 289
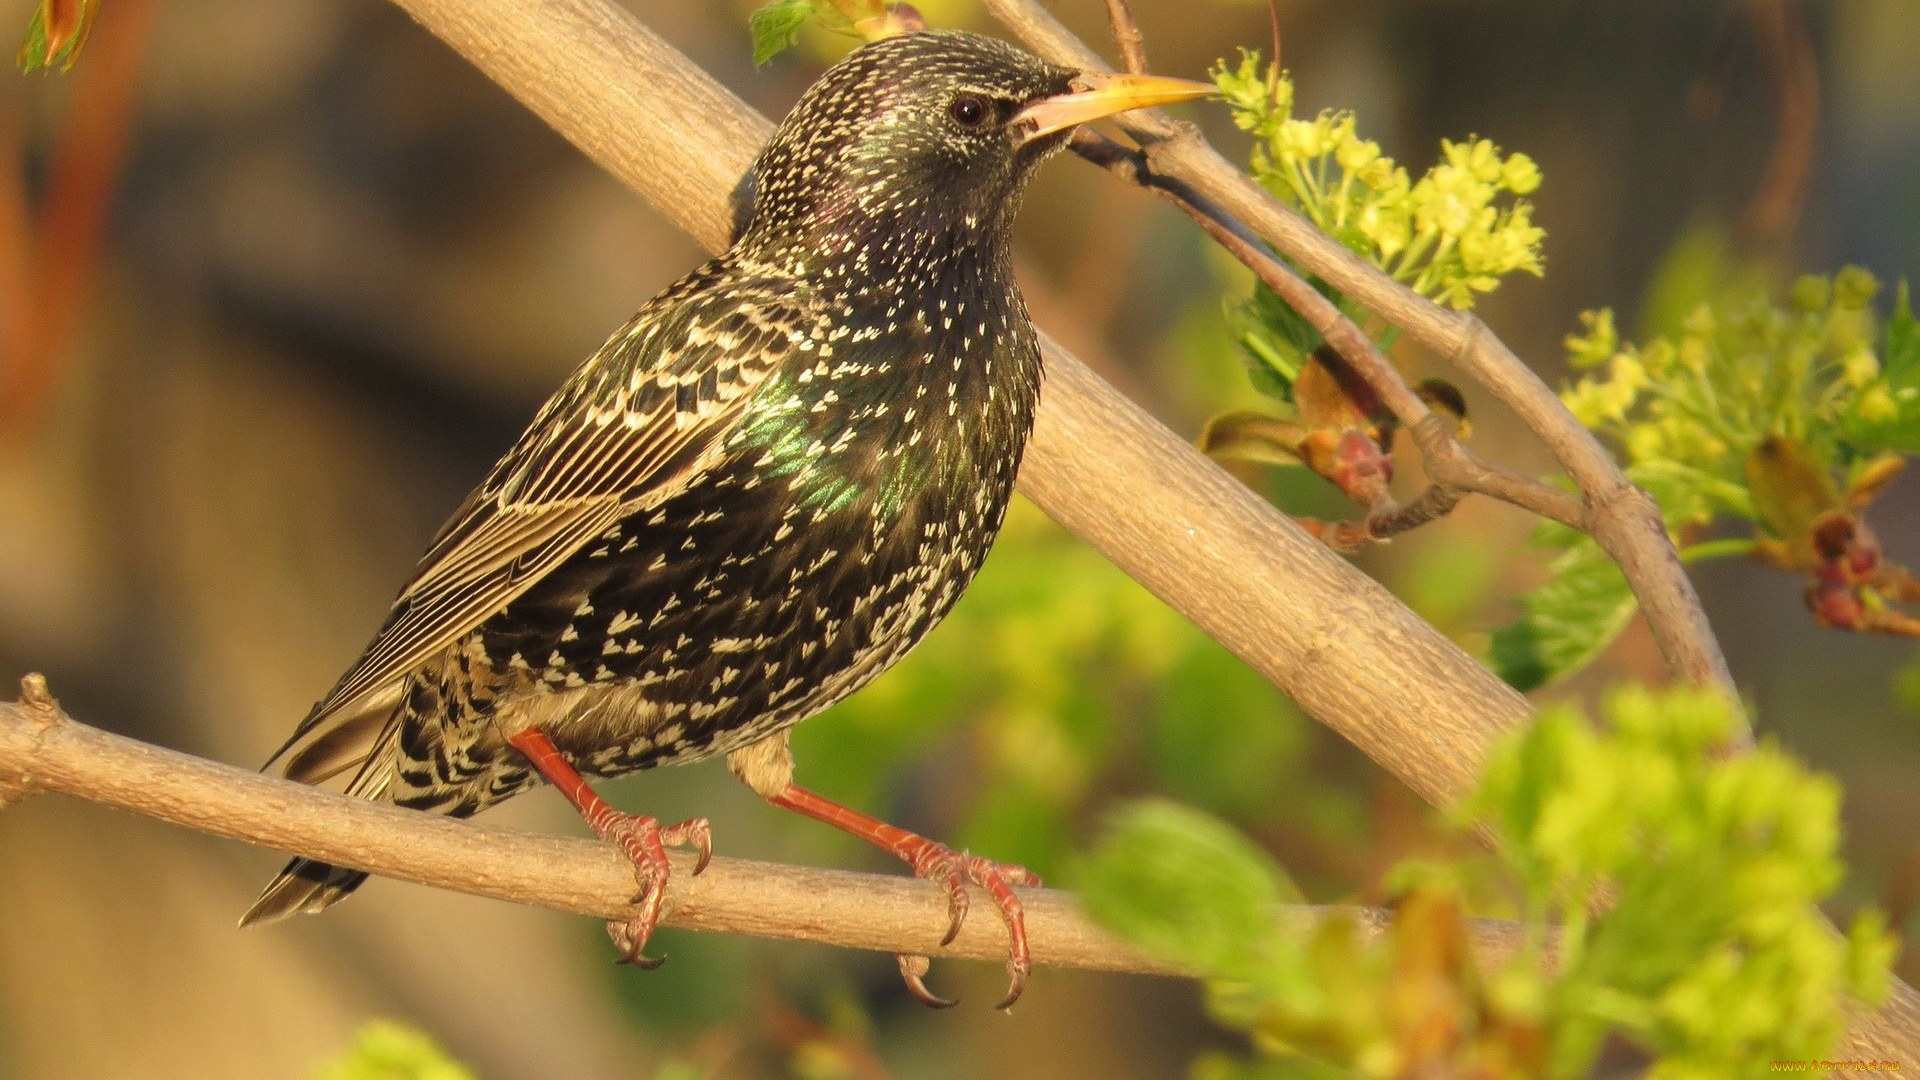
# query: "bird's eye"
970 110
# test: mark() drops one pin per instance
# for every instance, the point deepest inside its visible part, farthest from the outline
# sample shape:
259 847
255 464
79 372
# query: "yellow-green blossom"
1452 235
1696 404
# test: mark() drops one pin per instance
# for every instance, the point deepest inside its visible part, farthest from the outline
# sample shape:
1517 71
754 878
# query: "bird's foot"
645 841
953 870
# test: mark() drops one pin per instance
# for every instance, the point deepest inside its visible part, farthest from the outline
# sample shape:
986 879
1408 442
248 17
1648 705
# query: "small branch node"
35 695
1470 330
35 715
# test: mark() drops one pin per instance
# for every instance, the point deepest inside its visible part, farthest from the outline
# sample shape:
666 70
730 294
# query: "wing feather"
631 426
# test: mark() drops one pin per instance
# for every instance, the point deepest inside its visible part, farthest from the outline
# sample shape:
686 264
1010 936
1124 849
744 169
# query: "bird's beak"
1098 94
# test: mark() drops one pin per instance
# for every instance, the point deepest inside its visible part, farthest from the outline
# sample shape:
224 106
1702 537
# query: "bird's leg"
641 837
936 862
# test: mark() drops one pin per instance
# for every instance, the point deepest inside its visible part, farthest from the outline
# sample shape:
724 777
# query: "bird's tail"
361 741
302 888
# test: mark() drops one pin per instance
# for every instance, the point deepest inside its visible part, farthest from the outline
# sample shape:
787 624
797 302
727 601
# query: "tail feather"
327 746
302 888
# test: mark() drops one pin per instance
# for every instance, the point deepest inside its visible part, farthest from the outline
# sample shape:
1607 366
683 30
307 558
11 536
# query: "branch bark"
42 749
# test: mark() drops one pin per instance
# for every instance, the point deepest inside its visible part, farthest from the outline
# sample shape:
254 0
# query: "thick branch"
42 750
1623 519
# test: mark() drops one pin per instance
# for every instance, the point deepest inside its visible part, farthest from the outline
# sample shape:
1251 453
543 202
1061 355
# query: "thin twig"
1793 88
1449 464
41 749
1126 35
1623 519
84 175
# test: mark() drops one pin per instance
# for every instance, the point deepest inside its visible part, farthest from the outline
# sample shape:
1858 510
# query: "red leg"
642 838
937 862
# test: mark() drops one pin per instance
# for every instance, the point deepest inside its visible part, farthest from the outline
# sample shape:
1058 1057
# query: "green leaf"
1896 425
1274 340
1564 623
1184 885
386 1050
1901 365
56 33
1246 435
776 27
1714 952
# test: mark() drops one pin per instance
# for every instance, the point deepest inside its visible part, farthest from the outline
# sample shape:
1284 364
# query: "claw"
1017 971
630 940
645 843
954 870
957 901
914 970
695 833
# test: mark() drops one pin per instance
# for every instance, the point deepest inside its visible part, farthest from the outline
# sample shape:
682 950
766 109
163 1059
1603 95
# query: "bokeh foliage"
1784 419
1672 900
387 1050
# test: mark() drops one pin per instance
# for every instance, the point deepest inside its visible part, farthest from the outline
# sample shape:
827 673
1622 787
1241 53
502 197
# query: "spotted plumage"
755 497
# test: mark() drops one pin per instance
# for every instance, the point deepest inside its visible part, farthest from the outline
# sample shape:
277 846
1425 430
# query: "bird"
755 497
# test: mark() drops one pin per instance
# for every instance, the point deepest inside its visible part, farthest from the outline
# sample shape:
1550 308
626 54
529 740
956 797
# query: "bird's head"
932 132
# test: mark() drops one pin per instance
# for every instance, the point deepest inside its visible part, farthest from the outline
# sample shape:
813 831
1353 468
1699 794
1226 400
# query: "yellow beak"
1099 94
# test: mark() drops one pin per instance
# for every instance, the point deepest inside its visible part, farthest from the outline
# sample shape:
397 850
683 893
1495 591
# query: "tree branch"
1126 35
1622 518
42 749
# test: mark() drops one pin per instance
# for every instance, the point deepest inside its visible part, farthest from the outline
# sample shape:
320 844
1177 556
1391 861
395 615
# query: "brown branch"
1623 519
1793 88
41 749
1126 35
83 177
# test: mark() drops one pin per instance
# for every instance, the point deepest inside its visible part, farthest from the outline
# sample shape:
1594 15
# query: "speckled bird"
755 497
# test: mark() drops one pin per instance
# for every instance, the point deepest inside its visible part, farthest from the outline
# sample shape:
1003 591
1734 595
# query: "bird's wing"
630 427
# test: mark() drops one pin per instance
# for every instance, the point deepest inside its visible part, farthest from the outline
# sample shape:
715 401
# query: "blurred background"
278 282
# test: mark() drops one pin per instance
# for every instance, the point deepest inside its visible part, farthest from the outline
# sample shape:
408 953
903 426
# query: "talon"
630 939
954 870
652 963
644 842
694 833
1017 970
957 902
914 970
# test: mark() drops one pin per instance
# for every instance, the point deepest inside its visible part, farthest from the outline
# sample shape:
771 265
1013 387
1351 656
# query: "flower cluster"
1451 235
1712 954
1691 409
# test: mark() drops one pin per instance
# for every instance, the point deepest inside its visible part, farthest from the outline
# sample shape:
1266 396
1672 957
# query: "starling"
755 497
